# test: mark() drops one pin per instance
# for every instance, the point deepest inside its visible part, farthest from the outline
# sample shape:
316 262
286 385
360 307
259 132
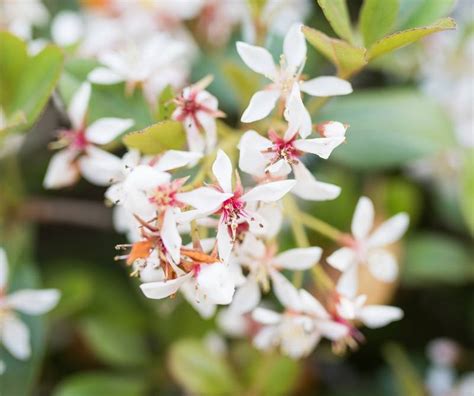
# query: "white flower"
231 203
21 16
14 334
262 263
80 154
197 109
300 327
138 64
277 156
67 28
286 77
366 247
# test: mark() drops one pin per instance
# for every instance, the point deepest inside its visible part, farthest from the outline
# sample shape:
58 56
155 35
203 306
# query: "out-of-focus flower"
197 109
67 28
300 327
286 77
14 334
231 203
79 153
19 17
277 156
366 247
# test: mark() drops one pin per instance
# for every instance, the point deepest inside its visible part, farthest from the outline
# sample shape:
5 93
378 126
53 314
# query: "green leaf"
26 82
347 59
154 139
166 106
377 19
20 376
415 13
200 371
467 190
436 259
337 14
389 127
101 384
106 100
405 37
114 344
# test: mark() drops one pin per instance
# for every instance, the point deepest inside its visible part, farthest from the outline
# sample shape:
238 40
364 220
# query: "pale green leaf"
405 37
199 371
467 190
155 139
377 19
433 259
389 127
165 105
347 59
101 384
337 14
242 81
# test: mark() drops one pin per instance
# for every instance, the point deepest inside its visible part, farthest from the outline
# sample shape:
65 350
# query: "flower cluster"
199 227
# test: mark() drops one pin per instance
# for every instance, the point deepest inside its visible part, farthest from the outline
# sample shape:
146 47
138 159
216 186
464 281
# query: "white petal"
224 241
321 147
78 107
294 46
257 58
208 124
346 308
383 265
390 231
246 297
374 316
67 28
299 120
33 302
279 169
232 323
204 308
214 282
222 170
326 86
332 129
3 269
158 290
173 159
363 219
104 76
269 192
251 159
105 130
170 235
342 259
312 306
332 330
265 338
100 167
61 171
348 282
299 259
204 198
266 316
284 290
15 336
261 104
307 187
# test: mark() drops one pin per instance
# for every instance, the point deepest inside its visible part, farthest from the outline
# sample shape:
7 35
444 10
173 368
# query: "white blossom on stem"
366 247
14 334
79 152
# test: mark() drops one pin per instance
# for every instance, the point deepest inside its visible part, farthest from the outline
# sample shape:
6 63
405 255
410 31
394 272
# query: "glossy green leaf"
162 136
337 14
347 59
20 375
200 371
467 190
388 127
377 19
113 343
101 384
433 259
26 82
106 100
405 37
414 13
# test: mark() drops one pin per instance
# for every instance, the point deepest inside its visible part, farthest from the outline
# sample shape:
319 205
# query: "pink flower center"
165 195
75 139
283 149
